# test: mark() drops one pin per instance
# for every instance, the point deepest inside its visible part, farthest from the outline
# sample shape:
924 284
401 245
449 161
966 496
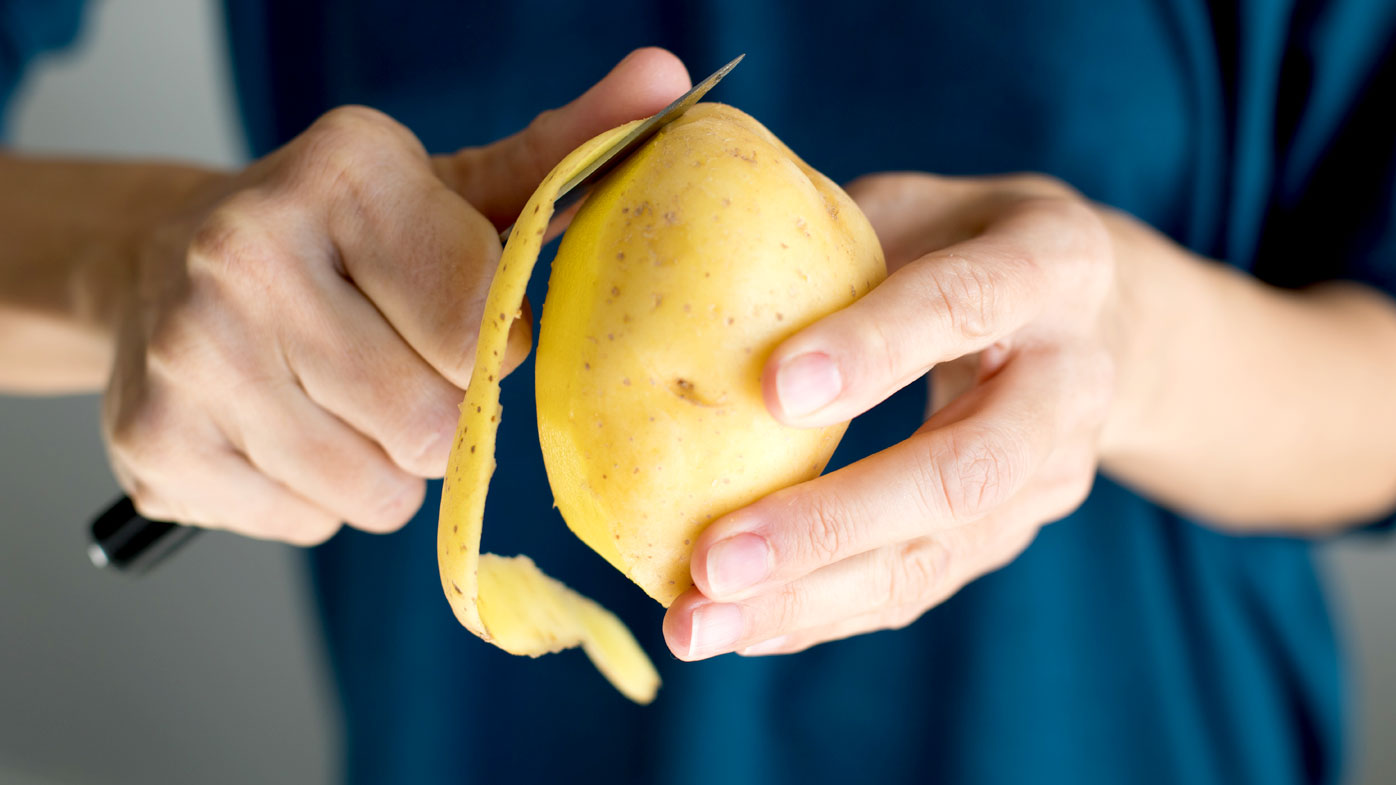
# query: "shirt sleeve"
28 28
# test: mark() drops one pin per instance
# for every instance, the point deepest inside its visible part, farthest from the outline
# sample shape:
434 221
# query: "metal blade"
575 188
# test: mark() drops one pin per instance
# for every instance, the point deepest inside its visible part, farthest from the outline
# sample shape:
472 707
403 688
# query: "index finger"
947 304
964 463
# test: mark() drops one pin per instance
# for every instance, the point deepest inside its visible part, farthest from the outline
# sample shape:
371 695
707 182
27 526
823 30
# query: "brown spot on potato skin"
686 390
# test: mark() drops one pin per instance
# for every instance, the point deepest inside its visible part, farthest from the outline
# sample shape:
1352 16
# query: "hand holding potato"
1002 287
292 350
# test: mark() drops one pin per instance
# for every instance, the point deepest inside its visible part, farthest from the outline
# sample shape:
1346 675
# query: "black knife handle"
126 541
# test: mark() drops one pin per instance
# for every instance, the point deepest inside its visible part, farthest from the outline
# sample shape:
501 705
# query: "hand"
294 348
1002 288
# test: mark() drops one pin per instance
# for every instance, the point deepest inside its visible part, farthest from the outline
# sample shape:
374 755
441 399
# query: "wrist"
1155 306
75 233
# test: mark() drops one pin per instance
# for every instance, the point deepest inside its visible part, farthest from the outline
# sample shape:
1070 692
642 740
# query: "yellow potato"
681 273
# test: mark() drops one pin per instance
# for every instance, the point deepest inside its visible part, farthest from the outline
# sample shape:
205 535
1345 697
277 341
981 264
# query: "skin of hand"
1048 358
292 348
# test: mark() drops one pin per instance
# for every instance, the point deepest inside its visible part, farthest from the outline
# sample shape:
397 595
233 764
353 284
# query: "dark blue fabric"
27 29
1127 644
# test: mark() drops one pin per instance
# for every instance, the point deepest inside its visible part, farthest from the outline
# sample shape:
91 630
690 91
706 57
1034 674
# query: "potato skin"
681 273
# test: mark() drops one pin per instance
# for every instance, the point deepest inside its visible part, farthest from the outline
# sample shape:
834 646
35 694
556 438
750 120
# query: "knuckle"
966 296
1082 261
176 342
139 434
352 116
787 612
229 247
352 126
333 152
153 505
977 471
826 534
880 350
915 573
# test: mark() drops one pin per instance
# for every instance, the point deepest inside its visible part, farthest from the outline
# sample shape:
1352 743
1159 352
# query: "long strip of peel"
509 601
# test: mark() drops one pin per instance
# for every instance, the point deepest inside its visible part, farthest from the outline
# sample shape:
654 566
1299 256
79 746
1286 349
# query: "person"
1175 339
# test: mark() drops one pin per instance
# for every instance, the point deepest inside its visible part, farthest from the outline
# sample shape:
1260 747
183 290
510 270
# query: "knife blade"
577 187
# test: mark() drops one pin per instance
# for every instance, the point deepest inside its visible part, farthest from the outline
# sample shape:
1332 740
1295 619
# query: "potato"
683 271
680 274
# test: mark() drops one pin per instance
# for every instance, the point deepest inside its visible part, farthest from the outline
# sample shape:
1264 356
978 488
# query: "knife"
124 540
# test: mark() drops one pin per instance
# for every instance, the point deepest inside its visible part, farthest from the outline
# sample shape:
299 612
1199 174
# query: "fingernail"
807 383
715 629
737 563
765 647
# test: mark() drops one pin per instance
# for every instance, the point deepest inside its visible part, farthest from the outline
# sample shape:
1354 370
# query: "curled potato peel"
509 601
681 273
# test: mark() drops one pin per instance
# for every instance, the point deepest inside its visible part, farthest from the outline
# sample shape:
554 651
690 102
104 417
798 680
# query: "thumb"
497 179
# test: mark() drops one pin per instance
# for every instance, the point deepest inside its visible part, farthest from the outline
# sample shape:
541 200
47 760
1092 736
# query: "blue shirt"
1127 644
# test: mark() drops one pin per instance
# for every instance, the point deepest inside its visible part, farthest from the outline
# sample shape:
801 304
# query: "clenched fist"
293 346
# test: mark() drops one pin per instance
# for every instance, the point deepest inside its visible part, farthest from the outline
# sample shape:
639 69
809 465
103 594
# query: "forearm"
1246 405
72 232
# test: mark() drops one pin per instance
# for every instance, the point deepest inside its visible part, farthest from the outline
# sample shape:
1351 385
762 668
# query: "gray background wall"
209 671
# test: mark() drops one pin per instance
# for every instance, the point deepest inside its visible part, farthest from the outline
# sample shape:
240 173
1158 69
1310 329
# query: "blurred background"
210 670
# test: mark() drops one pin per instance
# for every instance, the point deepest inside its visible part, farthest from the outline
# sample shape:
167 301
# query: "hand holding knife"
124 540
